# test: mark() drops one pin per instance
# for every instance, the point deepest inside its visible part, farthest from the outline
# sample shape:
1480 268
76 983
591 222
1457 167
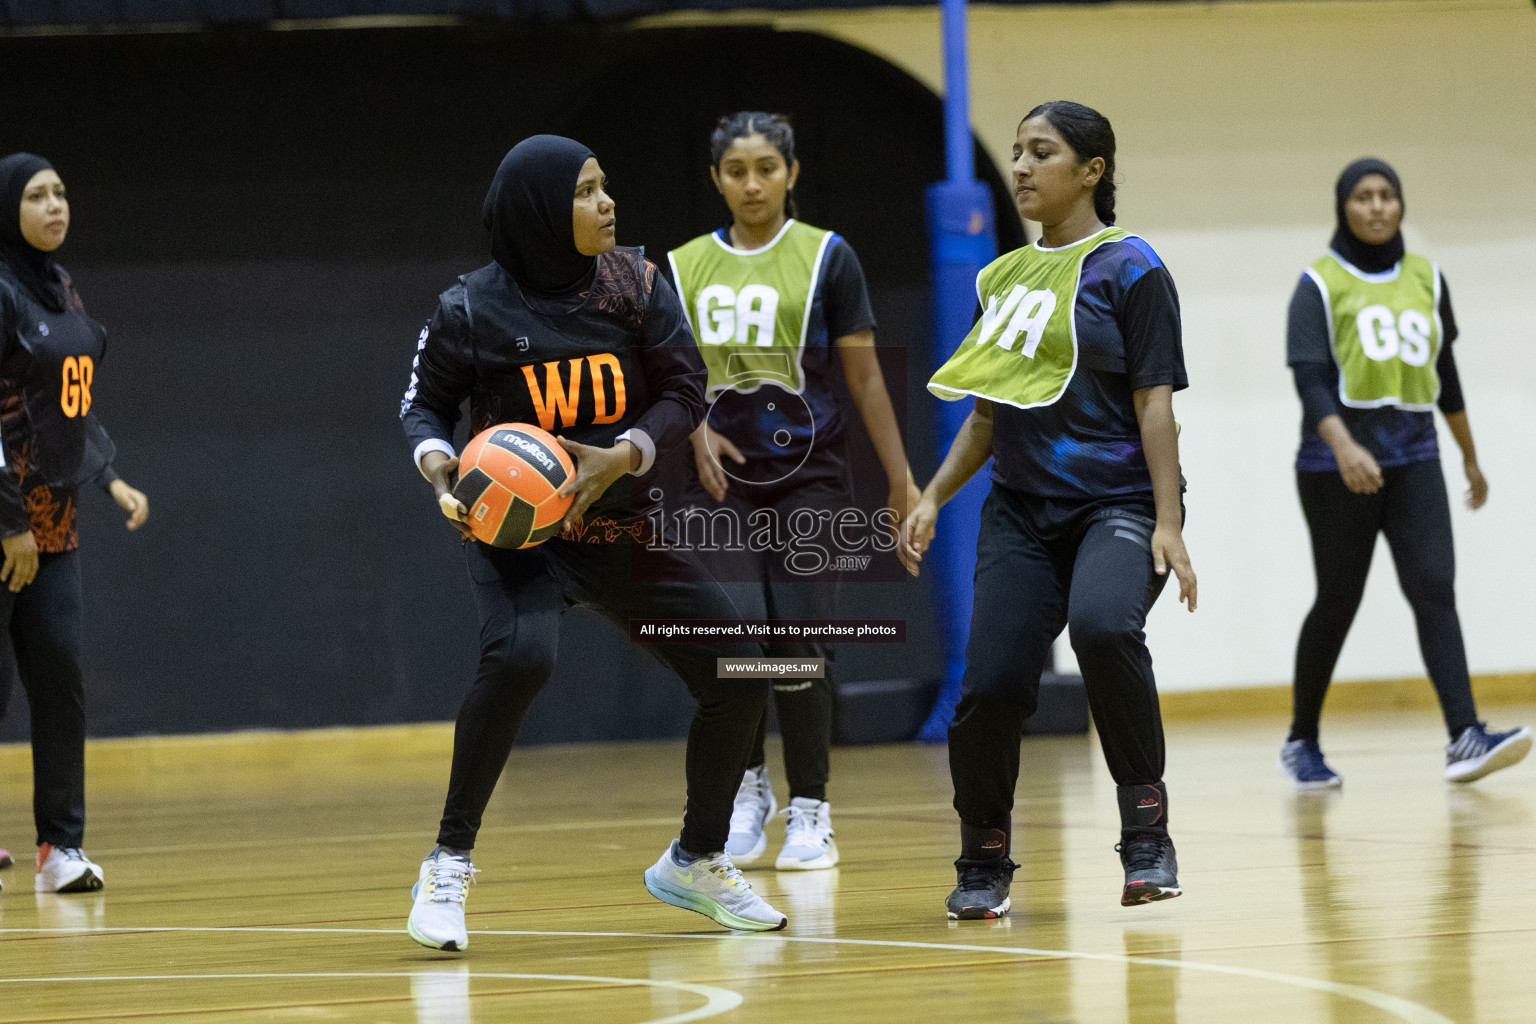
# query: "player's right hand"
439 469
917 533
1358 468
20 561
452 507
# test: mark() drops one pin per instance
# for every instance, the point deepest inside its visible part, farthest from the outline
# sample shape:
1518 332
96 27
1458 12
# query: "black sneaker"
982 891
1151 871
985 872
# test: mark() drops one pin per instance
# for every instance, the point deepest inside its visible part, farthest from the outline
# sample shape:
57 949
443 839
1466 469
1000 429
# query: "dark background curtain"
263 220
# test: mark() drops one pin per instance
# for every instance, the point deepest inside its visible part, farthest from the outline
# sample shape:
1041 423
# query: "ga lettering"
724 316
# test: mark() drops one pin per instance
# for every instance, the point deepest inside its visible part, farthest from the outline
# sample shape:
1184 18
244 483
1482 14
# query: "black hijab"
528 212
1373 259
32 267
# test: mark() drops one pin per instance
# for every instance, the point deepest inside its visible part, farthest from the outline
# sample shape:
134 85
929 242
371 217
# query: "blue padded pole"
963 237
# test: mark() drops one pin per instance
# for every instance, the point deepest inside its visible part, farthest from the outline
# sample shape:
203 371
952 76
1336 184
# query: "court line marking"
716 1000
1403 1009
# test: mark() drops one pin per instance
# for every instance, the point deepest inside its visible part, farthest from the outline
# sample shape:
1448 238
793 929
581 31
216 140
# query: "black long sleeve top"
617 361
50 439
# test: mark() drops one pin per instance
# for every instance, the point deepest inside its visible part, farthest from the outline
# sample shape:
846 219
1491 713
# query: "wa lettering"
1384 336
724 315
1024 312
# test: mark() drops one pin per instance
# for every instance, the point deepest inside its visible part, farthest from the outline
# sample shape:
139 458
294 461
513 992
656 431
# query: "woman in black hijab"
1369 341
50 441
560 314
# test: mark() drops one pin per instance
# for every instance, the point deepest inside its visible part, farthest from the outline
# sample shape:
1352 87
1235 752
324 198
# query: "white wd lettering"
725 316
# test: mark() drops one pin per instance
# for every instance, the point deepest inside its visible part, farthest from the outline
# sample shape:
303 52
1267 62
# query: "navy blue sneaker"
1478 752
1151 869
1302 760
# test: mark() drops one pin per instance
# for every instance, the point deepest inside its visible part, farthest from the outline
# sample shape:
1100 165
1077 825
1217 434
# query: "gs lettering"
1385 337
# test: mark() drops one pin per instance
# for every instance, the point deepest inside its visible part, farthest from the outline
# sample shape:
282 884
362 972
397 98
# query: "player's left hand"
133 500
596 471
1477 487
1168 552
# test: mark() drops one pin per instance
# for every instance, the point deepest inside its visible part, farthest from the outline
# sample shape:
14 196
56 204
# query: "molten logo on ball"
510 478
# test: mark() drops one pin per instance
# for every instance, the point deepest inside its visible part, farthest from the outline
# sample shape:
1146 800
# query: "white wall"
1240 417
1233 120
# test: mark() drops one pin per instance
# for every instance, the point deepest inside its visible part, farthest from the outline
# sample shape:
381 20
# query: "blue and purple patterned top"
1087 445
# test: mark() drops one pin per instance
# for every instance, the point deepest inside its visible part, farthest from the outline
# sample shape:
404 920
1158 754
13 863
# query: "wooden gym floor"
266 877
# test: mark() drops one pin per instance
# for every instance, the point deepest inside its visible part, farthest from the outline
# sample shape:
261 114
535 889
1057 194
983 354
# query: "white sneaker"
808 842
437 917
66 869
750 815
713 887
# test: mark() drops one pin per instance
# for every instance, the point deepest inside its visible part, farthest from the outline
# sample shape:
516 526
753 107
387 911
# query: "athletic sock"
984 845
685 858
1143 805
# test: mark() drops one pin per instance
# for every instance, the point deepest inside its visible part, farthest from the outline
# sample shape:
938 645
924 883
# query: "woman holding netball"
770 298
1369 341
568 331
1073 366
50 354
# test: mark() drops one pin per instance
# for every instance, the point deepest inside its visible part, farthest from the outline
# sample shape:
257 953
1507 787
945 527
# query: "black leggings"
1413 511
763 587
43 627
521 596
804 705
1042 566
